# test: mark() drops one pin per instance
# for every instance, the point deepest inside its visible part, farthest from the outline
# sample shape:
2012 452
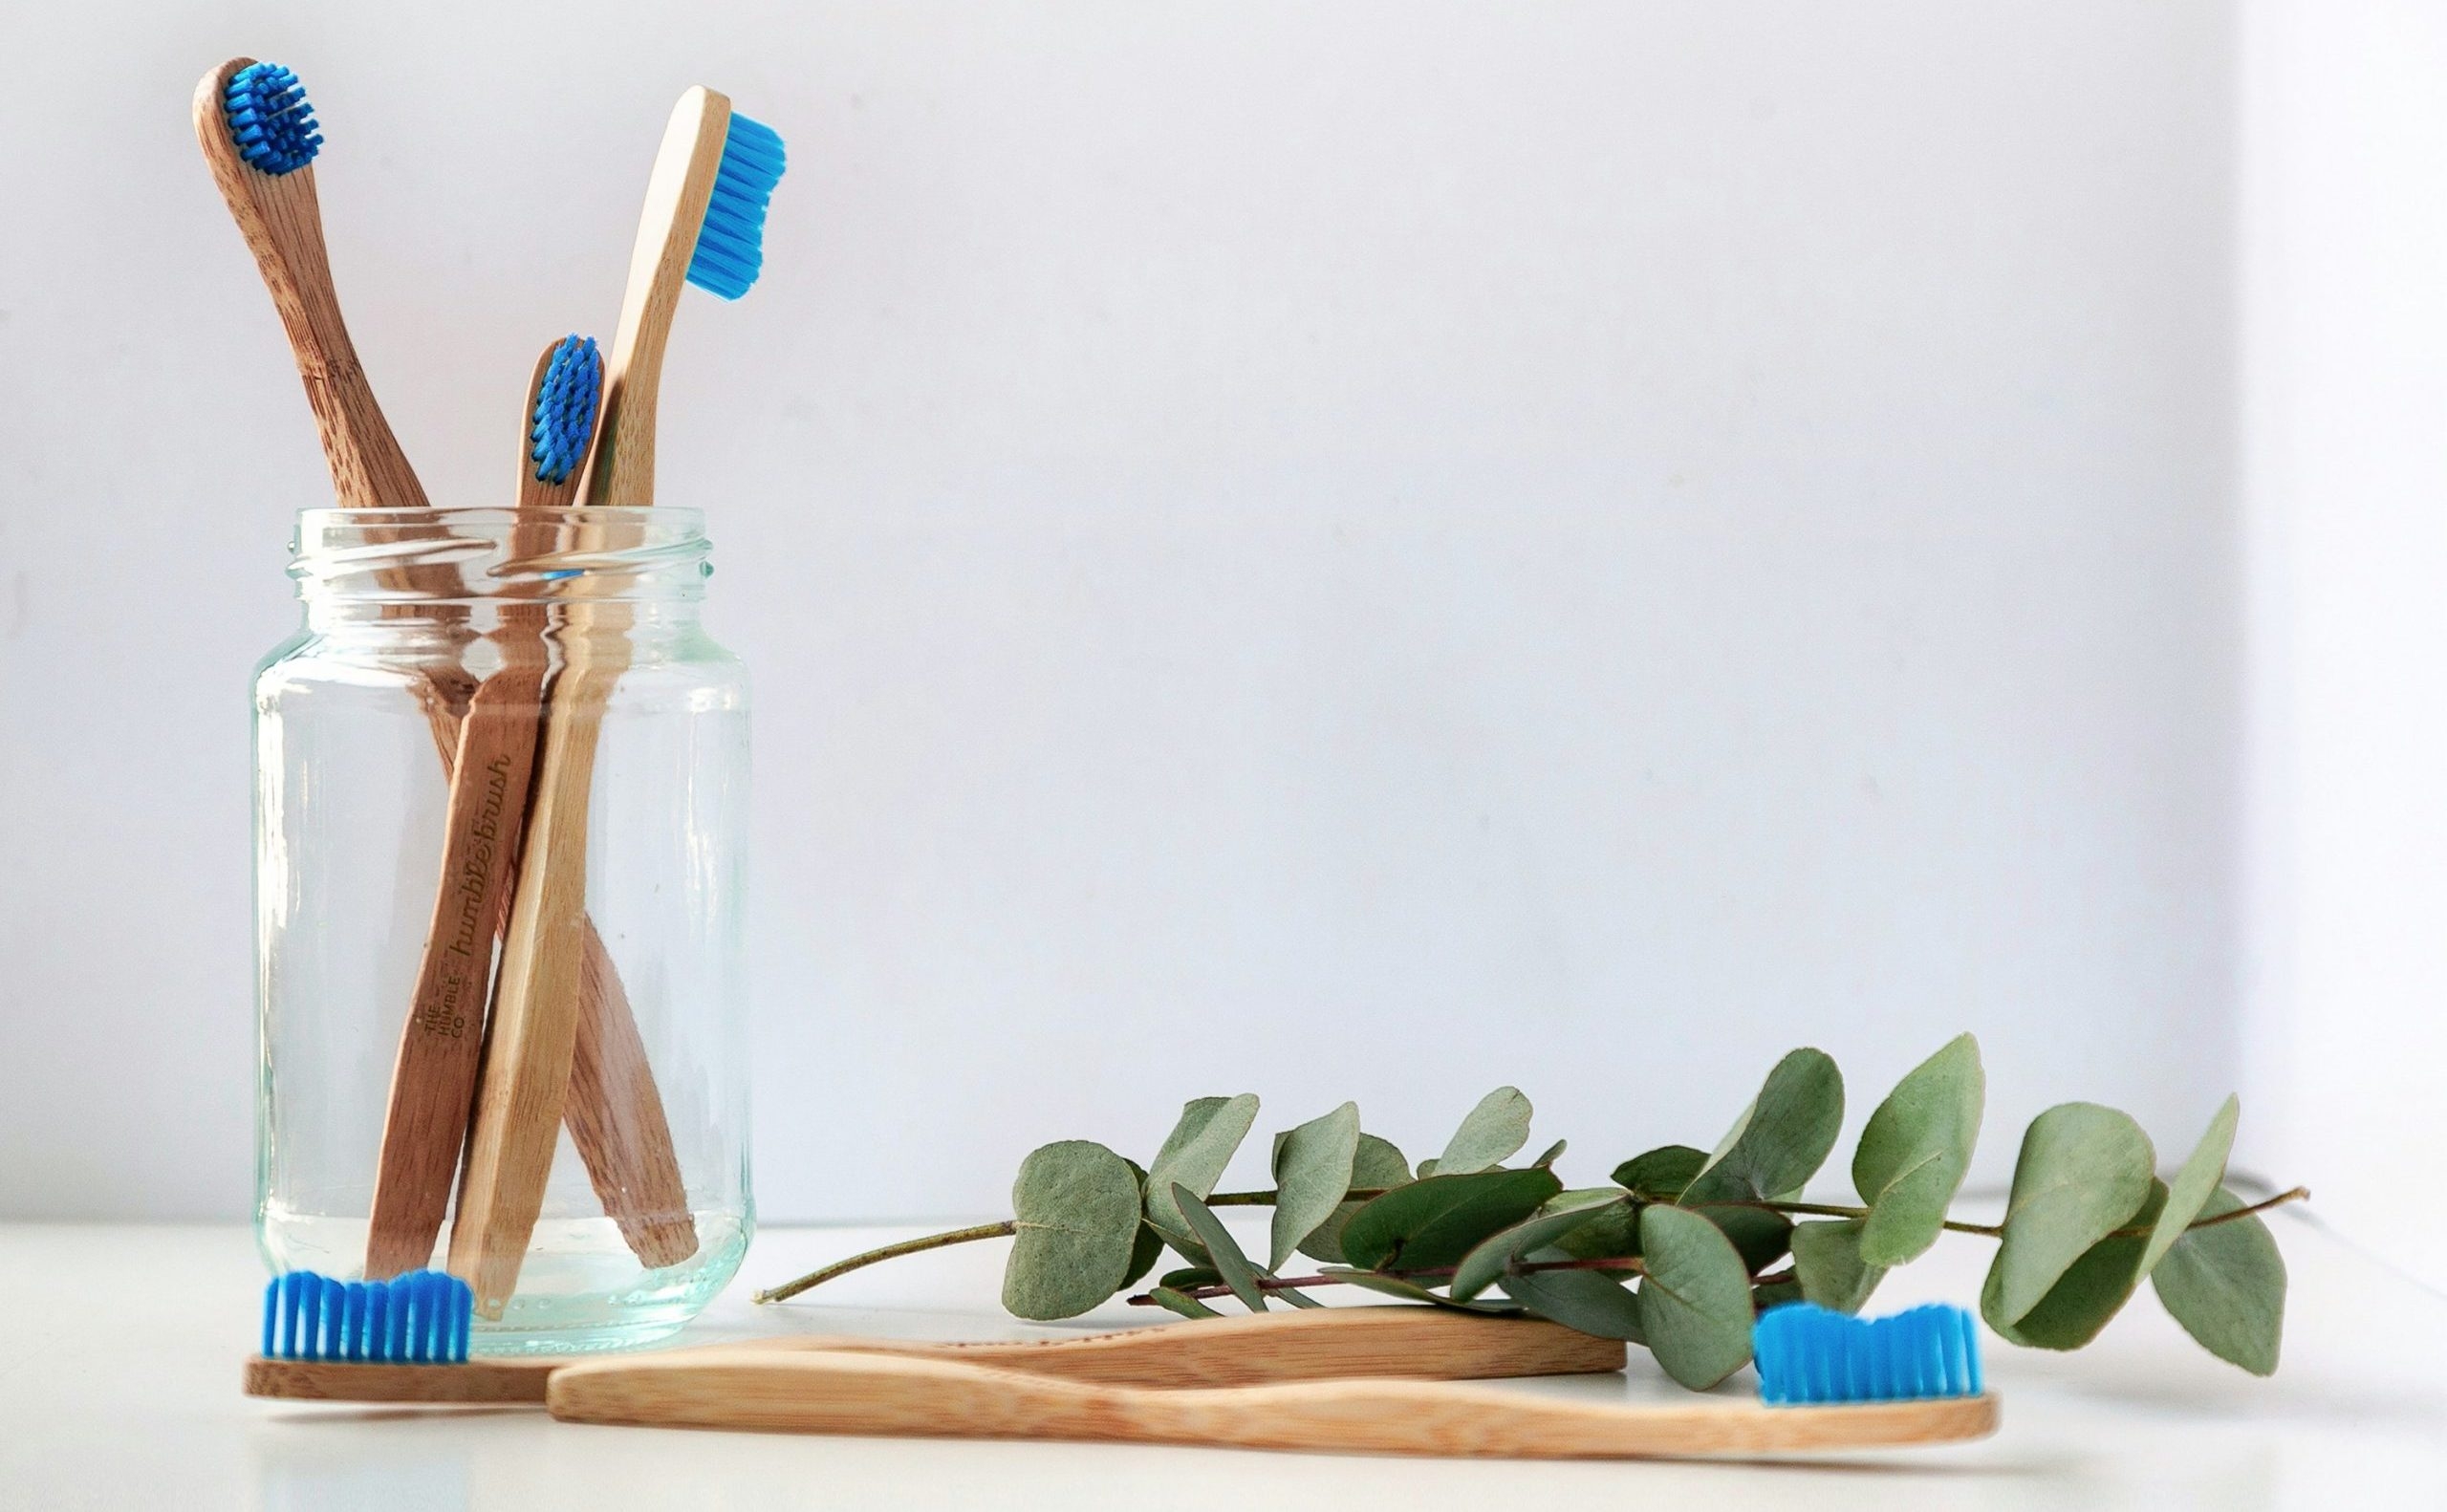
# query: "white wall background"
2345 312
1362 549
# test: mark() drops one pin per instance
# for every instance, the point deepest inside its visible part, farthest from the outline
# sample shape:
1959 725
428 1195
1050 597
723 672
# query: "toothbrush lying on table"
704 223
323 1342
1830 1382
260 140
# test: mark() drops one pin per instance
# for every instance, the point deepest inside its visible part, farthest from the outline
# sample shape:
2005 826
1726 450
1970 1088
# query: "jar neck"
461 620
639 567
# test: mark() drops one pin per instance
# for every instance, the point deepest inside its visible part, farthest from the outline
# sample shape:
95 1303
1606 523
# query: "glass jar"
501 1018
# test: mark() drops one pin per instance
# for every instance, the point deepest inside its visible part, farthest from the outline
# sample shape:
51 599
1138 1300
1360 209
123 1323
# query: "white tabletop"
119 1351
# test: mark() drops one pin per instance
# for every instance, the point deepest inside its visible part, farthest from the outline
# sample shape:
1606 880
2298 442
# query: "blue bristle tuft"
564 418
269 119
424 1317
1809 1354
730 246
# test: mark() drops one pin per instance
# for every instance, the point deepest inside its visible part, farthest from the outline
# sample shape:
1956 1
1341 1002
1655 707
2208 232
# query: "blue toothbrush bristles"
421 1318
269 119
564 418
730 246
1809 1354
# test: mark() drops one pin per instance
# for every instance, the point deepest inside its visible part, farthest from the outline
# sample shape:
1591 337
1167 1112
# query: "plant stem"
1840 1210
907 1246
1998 1231
1005 1228
1432 1273
1356 1194
2299 1194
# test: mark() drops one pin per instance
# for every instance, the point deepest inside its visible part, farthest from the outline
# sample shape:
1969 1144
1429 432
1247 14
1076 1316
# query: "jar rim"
678 515
462 553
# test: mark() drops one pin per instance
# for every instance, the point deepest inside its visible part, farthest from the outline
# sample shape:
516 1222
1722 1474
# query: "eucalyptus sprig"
1684 1248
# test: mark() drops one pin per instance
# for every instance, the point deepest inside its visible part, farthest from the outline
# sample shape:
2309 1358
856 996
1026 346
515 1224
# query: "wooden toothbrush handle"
615 1111
898 1396
677 190
616 1118
433 1077
531 1044
1421 1343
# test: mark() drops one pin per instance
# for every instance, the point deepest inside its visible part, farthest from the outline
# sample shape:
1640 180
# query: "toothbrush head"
421 1318
730 245
269 119
565 406
1807 1353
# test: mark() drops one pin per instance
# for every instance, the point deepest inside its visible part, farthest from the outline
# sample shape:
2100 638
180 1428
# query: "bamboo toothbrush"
321 1342
615 1111
259 137
1913 1378
884 1395
704 223
434 1078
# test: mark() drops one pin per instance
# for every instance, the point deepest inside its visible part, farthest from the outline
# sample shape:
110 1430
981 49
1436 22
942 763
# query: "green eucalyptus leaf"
1776 1293
1760 1237
1075 1207
1694 1305
1376 1167
1493 1255
1149 1245
1588 1301
2095 1288
1553 1153
1412 1291
1436 1222
1188 1306
1295 1297
1222 1247
1427 1168
1379 1165
2083 1173
1581 1196
2092 1290
1782 1138
2194 1185
1313 1167
1829 1266
1195 1155
2226 1285
1914 1151
1609 1231
1146 1249
1494 1129
1662 1175
1191 1278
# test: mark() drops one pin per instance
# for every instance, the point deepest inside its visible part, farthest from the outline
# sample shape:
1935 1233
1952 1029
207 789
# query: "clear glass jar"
560 653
